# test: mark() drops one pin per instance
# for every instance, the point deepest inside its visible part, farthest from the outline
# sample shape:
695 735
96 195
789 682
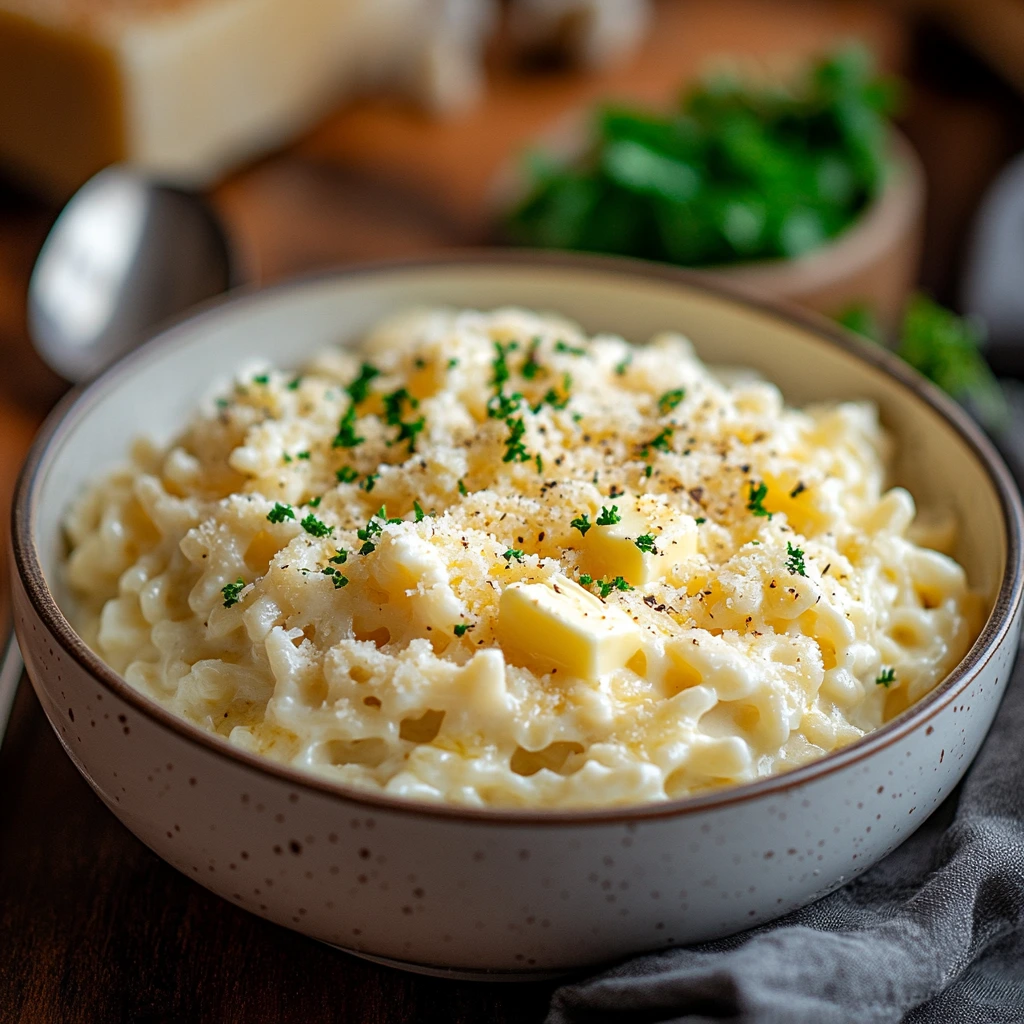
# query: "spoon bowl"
124 255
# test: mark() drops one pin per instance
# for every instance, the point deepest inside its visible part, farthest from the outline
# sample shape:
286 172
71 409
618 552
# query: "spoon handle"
11 667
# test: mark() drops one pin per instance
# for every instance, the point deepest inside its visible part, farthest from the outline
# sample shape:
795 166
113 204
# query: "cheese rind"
559 624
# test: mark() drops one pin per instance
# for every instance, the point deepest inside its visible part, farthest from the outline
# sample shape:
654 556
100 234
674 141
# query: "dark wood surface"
94 927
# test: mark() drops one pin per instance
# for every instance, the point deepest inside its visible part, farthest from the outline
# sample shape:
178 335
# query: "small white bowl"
508 893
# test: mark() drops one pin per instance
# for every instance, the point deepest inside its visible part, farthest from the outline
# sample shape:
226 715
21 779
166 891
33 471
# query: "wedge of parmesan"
183 88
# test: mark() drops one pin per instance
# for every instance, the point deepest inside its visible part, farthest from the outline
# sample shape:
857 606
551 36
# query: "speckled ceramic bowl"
509 893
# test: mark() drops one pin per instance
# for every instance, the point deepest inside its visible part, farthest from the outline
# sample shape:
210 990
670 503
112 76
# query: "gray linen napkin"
933 934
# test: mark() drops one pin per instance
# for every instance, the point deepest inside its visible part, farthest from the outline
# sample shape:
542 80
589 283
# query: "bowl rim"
59 423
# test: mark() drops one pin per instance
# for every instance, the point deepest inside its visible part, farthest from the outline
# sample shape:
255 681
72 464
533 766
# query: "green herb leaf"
340 557
662 442
513 553
755 499
795 560
346 475
360 387
608 516
463 628
572 350
347 436
887 676
581 523
232 590
645 542
279 513
418 512
515 449
315 528
670 400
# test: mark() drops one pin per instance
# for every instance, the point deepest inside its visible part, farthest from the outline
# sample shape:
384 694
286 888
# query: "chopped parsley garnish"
347 436
373 528
346 475
286 457
223 403
463 628
360 387
315 528
418 512
279 513
621 368
452 363
539 463
340 557
699 520
581 523
586 579
499 364
515 450
531 367
302 455
315 502
567 349
670 400
338 579
662 442
513 553
645 542
554 399
369 481
293 384
393 406
462 487
500 406
755 499
887 676
232 590
795 560
261 378
407 429
608 516
648 470
607 586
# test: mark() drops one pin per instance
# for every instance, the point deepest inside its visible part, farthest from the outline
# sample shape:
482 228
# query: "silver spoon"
124 255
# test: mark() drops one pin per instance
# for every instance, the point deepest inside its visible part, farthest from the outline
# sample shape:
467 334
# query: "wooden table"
93 927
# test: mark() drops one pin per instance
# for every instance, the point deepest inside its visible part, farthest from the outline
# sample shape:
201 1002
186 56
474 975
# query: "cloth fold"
932 934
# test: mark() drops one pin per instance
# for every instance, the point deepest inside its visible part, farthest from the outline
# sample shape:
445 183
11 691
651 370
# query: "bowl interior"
154 391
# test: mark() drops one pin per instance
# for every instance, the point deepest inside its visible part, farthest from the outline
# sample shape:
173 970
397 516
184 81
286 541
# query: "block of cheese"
558 624
182 88
642 539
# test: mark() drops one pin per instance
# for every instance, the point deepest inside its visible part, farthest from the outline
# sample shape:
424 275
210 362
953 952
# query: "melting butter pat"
666 539
558 624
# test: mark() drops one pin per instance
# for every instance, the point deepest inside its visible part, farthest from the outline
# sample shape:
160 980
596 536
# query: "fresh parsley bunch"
740 171
946 349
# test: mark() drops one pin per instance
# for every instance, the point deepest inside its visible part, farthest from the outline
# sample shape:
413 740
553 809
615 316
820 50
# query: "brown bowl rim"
993 634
